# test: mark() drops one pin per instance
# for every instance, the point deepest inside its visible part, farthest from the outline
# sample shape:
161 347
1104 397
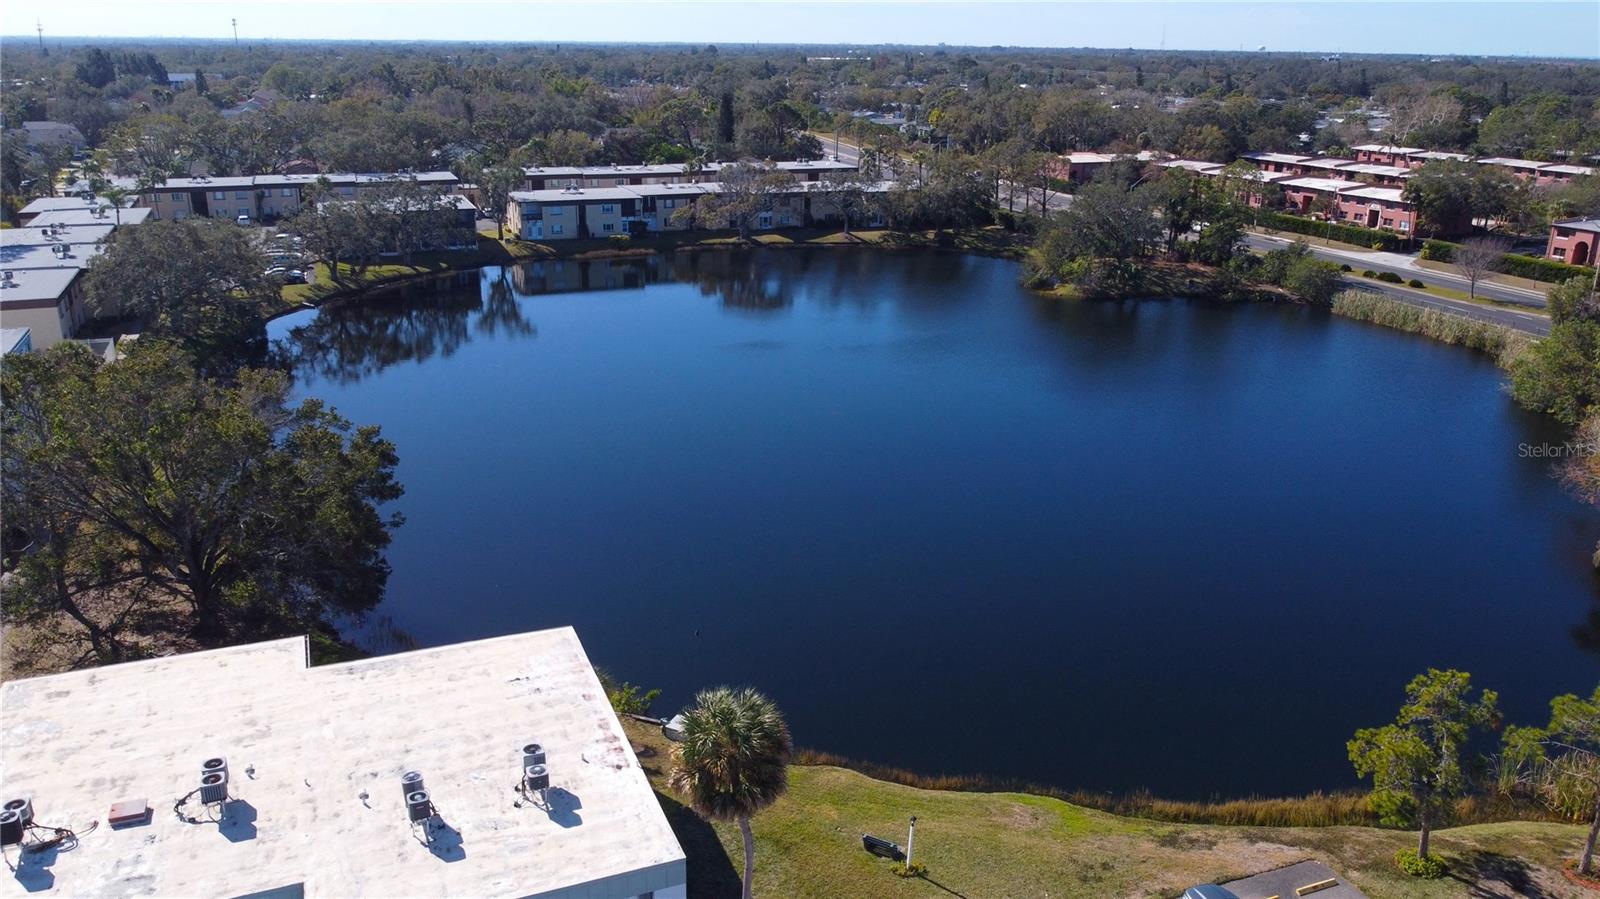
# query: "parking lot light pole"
911 839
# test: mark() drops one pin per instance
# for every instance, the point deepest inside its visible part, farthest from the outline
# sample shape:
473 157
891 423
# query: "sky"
1501 27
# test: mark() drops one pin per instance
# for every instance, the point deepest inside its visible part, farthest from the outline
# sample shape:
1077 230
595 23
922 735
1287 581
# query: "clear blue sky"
1559 28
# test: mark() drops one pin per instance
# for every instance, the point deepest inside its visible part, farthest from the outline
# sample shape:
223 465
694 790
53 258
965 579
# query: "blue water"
952 527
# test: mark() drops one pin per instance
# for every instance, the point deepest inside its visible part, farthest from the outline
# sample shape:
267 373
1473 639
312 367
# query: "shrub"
1430 868
620 238
1346 268
1539 269
1438 250
1312 280
1415 283
1390 278
1353 234
1369 273
910 869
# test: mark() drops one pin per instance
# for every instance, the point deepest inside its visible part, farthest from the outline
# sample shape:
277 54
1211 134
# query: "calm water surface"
951 527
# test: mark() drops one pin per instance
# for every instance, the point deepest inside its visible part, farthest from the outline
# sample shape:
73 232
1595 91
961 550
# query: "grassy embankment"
1020 845
989 241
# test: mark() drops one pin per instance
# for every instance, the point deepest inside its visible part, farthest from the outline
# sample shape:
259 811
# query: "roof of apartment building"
1386 194
45 233
1511 163
1387 148
1564 169
570 196
315 756
51 204
11 339
1280 158
20 257
228 182
31 285
1436 155
1579 225
1331 163
1193 165
674 168
1381 171
1322 184
73 217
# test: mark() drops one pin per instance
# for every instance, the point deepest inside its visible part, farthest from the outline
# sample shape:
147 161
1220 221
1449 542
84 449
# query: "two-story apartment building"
1384 154
268 197
1574 241
558 177
42 269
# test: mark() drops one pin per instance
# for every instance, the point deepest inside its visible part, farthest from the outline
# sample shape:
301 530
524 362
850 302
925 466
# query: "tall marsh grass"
1504 344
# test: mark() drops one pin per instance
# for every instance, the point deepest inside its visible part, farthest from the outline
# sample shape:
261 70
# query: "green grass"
1019 845
490 252
1504 344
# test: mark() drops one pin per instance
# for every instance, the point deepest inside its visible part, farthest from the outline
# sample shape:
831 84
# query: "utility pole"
39 27
235 31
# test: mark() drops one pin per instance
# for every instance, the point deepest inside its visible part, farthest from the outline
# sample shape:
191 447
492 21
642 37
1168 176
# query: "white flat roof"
11 337
34 235
1509 162
233 182
1569 169
23 257
29 284
1365 168
1193 165
1441 154
1086 158
1287 158
50 204
85 216
1326 184
1387 148
1388 194
315 757
1326 162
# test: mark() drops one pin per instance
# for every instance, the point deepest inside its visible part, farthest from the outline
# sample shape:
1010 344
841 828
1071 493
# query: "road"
1406 267
1527 322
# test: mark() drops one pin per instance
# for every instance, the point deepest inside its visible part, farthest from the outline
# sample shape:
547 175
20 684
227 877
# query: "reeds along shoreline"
1504 344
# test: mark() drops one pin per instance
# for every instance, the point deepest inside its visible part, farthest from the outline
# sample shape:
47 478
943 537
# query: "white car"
243 220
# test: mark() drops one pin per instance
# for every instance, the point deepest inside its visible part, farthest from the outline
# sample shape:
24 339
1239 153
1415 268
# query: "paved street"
1405 266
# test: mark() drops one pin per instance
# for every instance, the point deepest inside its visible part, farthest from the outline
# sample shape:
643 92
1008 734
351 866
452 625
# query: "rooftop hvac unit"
218 765
23 809
11 828
418 806
411 782
214 788
7 276
536 777
532 754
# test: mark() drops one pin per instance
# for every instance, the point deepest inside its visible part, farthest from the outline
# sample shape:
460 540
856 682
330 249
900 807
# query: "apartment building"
558 177
1574 241
42 266
573 213
268 197
489 768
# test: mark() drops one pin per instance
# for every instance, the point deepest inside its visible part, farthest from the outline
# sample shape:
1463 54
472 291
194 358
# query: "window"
607 208
286 192
1559 252
241 195
1388 223
1405 226
608 227
557 211
178 197
219 195
555 229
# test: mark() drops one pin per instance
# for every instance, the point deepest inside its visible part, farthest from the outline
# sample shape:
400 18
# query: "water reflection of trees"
759 282
347 342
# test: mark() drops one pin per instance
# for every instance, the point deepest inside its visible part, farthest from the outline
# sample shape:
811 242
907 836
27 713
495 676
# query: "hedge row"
1537 268
1352 234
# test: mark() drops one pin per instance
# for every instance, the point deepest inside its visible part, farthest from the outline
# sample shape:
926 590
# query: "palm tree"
732 760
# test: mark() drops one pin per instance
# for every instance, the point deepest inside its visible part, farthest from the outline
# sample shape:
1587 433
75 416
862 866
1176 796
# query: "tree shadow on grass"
712 874
1489 875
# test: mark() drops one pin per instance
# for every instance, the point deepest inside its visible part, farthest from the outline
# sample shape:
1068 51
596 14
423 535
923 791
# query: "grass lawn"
1496 277
991 845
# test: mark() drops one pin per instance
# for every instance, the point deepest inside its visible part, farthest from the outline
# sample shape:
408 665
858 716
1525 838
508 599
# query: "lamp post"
911 839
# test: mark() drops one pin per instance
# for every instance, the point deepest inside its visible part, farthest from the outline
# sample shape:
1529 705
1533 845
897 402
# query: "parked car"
242 220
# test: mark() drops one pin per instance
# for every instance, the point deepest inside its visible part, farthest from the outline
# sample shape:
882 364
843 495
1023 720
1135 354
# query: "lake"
954 527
